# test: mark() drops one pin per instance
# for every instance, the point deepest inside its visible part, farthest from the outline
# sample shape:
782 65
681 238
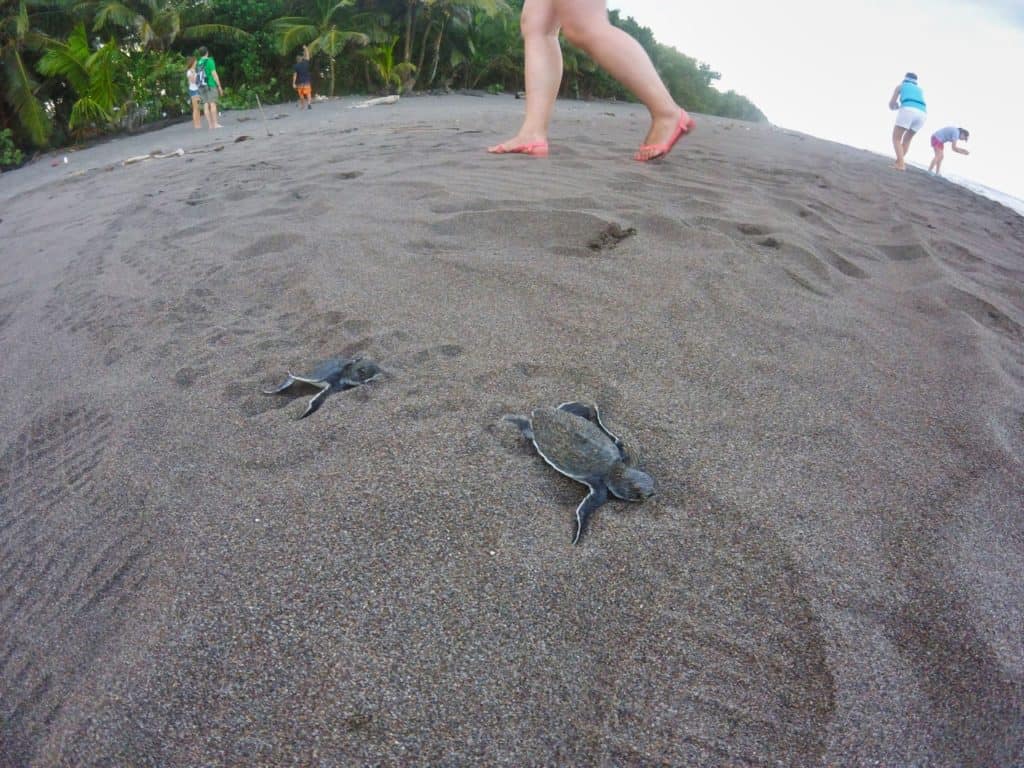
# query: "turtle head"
361 371
630 484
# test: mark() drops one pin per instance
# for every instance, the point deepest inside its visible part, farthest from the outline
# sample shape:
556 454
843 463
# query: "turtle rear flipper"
522 422
287 383
592 501
311 380
317 400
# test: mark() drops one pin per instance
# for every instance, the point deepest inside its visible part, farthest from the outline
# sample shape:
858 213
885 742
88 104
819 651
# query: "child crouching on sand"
939 138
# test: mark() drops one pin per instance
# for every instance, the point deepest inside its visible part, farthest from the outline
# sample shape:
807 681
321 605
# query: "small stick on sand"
260 105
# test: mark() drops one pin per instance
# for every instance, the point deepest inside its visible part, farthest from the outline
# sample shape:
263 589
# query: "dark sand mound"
821 360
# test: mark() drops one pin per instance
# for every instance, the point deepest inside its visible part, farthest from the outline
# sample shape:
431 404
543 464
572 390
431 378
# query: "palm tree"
319 31
491 48
91 75
381 58
156 24
18 87
443 12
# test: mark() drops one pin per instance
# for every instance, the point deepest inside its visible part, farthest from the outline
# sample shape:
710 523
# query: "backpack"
201 73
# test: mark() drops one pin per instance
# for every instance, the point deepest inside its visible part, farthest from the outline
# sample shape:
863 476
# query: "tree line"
75 69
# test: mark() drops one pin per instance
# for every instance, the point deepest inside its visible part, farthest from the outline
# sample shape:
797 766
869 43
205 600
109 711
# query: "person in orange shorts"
302 81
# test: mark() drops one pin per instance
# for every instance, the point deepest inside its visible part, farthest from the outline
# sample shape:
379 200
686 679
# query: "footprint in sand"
521 232
985 314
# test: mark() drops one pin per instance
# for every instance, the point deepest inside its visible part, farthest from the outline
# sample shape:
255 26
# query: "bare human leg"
543 77
908 135
197 118
897 145
585 24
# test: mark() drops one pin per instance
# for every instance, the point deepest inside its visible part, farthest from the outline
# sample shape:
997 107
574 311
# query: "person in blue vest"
908 98
951 133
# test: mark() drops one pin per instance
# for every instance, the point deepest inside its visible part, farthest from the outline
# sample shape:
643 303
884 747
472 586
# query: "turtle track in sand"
70 563
703 684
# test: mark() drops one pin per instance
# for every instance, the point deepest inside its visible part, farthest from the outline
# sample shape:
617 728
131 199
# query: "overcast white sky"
828 68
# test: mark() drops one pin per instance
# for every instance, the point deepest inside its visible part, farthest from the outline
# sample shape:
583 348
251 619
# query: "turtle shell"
328 369
573 445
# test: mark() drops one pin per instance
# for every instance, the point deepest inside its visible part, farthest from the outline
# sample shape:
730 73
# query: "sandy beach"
820 360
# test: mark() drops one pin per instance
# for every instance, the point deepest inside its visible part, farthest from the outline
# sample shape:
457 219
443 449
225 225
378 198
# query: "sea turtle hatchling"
573 440
335 374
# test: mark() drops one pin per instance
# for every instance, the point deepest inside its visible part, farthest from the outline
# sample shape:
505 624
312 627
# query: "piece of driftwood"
376 102
154 155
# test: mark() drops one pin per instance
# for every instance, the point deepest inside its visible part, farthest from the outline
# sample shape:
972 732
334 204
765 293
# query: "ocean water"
1013 203
992 194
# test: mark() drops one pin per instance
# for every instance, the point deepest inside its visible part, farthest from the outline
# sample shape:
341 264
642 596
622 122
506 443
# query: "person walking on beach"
585 24
908 98
952 134
210 89
193 92
302 79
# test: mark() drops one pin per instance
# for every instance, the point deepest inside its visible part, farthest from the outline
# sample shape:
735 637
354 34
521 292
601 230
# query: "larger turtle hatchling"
573 440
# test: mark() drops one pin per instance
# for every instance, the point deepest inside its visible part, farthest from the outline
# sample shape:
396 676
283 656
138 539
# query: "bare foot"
665 131
519 143
662 128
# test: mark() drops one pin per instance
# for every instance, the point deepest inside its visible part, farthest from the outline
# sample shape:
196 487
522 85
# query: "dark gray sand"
821 360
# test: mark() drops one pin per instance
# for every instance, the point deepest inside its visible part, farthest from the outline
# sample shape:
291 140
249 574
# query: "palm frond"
325 9
68 60
223 31
103 65
333 41
21 25
115 13
292 31
20 94
87 112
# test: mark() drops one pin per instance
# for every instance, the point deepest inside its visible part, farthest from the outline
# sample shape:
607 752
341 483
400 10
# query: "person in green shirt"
209 86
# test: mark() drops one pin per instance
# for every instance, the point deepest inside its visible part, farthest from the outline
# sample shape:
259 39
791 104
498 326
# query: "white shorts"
910 118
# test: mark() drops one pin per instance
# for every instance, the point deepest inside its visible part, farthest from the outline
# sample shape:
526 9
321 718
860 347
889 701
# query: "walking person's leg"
936 163
908 136
585 24
897 145
197 119
543 53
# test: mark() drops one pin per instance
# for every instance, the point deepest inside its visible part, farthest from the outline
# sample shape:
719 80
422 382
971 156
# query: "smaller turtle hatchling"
573 440
334 374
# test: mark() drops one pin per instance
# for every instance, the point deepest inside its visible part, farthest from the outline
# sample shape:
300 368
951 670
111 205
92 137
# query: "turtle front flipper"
317 400
593 500
287 383
522 422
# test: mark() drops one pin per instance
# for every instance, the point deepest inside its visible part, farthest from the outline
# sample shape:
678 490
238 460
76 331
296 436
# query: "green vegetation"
10 155
72 69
